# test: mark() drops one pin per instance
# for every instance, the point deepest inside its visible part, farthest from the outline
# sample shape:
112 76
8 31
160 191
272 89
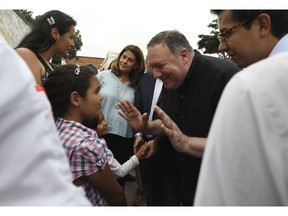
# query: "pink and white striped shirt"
86 153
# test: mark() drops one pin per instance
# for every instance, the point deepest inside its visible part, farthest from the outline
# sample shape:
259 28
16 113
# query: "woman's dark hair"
135 74
111 63
40 39
63 81
279 19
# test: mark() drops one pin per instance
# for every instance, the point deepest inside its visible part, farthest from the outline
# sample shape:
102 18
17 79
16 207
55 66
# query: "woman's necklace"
120 97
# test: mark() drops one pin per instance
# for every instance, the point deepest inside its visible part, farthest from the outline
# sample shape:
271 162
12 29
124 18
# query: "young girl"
100 125
74 95
51 35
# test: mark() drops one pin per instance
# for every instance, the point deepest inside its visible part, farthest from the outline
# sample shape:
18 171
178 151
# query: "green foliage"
209 43
28 16
77 45
37 18
72 53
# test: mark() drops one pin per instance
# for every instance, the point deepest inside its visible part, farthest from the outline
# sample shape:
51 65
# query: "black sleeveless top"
47 68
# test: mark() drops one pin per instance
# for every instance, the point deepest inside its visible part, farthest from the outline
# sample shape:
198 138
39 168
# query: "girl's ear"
75 99
55 33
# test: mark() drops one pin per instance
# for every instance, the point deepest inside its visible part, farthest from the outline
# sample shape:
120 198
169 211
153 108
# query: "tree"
72 53
28 16
77 45
210 43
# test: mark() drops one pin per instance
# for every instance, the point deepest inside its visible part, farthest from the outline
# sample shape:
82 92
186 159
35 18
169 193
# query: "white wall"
12 27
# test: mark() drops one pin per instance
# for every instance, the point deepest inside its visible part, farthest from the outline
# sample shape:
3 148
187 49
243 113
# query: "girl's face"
65 42
127 62
102 127
91 104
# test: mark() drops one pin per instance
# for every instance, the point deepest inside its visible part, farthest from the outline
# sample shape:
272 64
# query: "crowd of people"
204 131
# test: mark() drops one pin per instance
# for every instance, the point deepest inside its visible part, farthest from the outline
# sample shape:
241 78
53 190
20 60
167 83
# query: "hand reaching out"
139 141
132 115
150 149
190 145
144 150
175 135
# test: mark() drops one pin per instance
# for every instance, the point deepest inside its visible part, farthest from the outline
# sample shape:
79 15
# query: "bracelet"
138 135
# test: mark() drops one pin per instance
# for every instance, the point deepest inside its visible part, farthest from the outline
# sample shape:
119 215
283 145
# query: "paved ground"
130 190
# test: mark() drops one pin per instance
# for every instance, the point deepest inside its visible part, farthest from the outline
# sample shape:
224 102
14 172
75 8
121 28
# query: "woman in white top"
117 84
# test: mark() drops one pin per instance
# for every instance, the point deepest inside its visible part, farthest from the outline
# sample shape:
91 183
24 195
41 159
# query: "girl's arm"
108 186
121 170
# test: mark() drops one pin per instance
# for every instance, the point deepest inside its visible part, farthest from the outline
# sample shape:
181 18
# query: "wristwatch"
138 135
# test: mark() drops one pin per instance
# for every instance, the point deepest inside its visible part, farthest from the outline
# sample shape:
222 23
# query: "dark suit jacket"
144 93
160 172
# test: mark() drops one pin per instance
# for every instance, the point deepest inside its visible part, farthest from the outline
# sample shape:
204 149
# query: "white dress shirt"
246 157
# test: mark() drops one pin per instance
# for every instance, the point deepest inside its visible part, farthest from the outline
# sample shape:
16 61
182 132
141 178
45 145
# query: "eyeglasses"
224 35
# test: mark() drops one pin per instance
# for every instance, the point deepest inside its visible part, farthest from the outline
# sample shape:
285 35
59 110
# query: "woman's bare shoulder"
25 52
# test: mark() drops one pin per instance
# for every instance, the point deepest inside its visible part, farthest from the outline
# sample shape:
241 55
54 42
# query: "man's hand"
132 115
190 145
175 135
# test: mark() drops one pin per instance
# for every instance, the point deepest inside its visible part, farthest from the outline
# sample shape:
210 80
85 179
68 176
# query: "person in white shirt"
34 167
246 153
245 158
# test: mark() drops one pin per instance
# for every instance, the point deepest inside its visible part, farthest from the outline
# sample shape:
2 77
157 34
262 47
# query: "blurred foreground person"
245 161
35 169
246 154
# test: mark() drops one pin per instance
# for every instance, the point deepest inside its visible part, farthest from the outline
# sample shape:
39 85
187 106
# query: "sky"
113 24
110 25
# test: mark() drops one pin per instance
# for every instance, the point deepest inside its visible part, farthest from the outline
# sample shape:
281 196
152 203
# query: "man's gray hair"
174 39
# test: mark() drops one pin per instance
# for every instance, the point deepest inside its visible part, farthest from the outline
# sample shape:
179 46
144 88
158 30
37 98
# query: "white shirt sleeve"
121 170
34 167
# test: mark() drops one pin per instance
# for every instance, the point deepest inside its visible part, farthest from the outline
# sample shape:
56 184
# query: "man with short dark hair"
246 153
252 35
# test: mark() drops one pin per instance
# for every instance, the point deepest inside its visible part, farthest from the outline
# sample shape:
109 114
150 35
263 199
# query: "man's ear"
184 55
55 33
75 99
264 23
